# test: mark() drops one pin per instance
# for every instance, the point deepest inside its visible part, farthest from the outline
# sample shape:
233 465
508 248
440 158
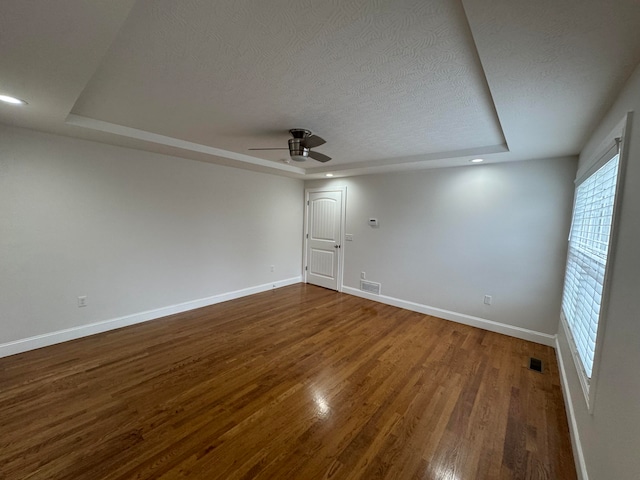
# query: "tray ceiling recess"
391 85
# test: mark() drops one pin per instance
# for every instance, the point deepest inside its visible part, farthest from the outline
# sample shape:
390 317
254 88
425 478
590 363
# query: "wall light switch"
349 237
488 299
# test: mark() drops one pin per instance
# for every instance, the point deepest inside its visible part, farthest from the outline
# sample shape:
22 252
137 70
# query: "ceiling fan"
301 144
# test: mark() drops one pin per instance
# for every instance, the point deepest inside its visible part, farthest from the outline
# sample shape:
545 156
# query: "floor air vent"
370 287
535 364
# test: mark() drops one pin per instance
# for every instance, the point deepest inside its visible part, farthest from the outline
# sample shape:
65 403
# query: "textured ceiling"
390 84
377 79
554 67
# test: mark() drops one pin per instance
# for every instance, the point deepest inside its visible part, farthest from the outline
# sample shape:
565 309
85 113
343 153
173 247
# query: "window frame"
617 135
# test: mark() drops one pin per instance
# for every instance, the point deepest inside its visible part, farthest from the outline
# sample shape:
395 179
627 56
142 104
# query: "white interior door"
324 238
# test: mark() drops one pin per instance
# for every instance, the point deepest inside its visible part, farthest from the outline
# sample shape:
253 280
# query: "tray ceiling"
389 84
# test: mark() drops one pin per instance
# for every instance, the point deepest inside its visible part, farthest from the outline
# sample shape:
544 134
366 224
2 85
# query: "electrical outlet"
82 301
273 268
363 275
488 299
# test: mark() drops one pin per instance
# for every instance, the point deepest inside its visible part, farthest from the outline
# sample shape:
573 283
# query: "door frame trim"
343 223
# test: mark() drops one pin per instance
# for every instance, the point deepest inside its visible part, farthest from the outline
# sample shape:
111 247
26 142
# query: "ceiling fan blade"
267 149
321 157
312 142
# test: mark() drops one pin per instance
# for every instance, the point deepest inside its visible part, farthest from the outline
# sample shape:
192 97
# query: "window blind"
587 258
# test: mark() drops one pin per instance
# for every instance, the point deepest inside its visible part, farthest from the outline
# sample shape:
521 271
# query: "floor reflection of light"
321 404
444 472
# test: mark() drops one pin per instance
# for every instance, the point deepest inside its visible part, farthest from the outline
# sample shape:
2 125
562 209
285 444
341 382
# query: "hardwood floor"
297 383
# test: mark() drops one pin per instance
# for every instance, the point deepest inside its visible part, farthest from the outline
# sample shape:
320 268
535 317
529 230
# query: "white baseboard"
44 340
581 466
512 331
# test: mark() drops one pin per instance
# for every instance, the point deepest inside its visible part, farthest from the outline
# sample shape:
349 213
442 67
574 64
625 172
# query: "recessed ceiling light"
12 100
328 174
477 160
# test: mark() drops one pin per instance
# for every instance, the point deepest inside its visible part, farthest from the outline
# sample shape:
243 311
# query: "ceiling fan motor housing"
297 152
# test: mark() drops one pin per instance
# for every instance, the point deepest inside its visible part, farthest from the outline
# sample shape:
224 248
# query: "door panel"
321 263
324 238
323 213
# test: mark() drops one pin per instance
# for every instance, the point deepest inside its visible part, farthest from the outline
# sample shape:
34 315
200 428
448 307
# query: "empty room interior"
320 240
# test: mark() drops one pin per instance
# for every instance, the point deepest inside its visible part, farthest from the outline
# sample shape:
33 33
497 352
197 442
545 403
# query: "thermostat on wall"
373 222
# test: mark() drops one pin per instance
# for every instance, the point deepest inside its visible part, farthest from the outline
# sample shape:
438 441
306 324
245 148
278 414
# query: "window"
589 245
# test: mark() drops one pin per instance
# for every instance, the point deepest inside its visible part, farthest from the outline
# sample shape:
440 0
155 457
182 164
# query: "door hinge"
307 202
306 268
307 235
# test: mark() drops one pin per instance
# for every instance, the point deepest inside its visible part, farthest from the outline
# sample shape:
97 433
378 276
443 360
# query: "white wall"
131 230
449 236
610 438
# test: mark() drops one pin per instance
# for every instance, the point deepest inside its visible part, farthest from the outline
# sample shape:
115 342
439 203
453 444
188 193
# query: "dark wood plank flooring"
297 383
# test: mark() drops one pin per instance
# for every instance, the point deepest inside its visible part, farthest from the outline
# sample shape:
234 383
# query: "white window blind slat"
587 258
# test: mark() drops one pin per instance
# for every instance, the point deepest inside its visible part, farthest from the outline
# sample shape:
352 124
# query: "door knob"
336 246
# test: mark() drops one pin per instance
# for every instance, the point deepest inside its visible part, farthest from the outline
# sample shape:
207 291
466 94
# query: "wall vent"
370 287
